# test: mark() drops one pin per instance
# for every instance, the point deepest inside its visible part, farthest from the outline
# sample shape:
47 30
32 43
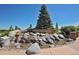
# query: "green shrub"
4 34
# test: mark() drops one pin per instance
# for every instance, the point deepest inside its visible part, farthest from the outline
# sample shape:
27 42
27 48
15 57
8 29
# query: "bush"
4 34
70 28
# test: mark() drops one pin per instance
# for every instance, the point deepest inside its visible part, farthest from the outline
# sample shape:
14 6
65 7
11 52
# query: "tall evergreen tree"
30 26
57 27
11 28
17 28
44 21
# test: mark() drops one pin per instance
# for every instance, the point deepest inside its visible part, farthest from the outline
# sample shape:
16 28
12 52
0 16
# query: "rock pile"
40 39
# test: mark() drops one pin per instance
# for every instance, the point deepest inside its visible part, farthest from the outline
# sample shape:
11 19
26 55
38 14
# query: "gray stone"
26 36
49 39
17 45
33 49
5 41
56 37
44 39
41 42
61 36
51 36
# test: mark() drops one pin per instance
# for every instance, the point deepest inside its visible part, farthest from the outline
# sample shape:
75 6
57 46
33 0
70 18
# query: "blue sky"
23 15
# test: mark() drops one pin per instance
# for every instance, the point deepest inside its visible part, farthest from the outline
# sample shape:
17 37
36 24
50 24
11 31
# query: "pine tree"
30 26
57 27
44 21
17 28
11 28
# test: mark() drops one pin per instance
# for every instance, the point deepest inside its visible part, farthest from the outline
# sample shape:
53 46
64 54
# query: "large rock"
26 35
49 40
11 33
41 42
36 37
61 36
53 38
17 45
33 49
44 39
38 33
56 37
5 42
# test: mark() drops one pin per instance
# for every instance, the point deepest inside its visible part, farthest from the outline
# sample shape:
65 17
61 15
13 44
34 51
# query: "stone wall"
42 30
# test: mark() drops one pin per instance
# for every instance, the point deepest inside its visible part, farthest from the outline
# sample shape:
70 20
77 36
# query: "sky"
23 15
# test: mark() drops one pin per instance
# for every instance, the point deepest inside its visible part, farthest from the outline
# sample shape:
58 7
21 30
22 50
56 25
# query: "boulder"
42 34
56 37
38 33
17 45
61 36
26 36
44 39
11 33
5 41
36 37
49 40
41 42
33 49
51 36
